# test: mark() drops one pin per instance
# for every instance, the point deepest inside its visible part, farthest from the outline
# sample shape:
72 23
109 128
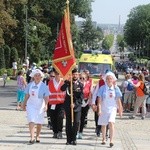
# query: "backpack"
145 90
130 87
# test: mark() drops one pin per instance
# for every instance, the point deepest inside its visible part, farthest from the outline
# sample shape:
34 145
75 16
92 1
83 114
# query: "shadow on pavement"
12 142
4 108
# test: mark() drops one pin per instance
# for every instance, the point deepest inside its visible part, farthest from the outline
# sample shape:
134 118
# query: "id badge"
33 92
53 107
110 94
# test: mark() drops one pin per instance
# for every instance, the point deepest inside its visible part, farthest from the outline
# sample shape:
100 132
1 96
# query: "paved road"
8 94
14 134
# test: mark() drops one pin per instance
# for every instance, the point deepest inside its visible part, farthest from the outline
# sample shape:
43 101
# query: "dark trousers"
84 112
71 129
48 114
98 127
57 116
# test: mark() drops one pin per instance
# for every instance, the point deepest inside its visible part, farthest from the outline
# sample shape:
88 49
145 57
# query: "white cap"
24 65
36 71
110 74
34 64
40 68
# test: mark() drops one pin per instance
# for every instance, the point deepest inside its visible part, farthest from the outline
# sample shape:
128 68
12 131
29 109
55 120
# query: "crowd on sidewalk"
43 89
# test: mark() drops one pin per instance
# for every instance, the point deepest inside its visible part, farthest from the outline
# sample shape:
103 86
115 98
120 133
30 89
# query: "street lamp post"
26 31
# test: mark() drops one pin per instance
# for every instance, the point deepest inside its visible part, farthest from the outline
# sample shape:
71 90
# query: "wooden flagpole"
71 82
71 92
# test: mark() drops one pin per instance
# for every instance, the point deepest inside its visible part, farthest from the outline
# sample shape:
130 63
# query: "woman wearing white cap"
36 100
108 102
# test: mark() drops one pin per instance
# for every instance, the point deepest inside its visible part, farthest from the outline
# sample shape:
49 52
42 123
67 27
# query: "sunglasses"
52 76
82 78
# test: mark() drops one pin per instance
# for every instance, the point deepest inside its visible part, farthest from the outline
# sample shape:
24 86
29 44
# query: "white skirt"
35 115
105 118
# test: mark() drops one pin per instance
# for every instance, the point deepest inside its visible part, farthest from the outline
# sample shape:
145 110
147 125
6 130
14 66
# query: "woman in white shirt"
36 99
108 102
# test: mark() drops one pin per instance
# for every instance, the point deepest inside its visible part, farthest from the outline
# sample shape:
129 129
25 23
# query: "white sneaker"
80 136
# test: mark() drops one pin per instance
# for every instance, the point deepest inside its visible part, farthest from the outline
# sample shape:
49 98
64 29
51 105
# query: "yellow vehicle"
96 64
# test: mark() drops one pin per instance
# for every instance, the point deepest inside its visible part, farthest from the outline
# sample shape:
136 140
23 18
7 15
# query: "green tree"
7 54
108 41
90 35
46 15
2 58
6 19
137 28
120 41
14 55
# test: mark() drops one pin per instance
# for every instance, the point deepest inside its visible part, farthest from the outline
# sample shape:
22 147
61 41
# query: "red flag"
64 59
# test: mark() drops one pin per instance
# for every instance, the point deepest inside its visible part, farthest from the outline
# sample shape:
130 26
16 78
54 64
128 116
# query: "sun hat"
110 74
36 71
24 65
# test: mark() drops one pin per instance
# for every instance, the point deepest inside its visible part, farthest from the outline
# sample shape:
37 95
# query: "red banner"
64 59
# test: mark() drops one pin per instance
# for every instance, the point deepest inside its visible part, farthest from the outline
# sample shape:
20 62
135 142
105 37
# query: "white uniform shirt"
14 65
109 97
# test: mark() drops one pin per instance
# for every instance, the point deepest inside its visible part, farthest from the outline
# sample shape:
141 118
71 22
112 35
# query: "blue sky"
108 11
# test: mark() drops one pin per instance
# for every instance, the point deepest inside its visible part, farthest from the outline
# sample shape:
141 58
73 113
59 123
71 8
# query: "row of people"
57 96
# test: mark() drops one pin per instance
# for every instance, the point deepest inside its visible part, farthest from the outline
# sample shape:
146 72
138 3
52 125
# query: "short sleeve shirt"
109 97
44 91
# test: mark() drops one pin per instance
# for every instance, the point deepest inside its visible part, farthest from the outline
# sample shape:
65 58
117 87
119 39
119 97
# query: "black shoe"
143 118
74 142
51 128
31 141
59 135
131 109
128 111
103 143
131 117
37 141
68 143
55 135
111 144
98 134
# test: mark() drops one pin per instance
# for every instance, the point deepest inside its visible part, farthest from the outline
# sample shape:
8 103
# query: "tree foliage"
2 58
7 55
90 35
137 28
14 54
121 42
108 41
43 15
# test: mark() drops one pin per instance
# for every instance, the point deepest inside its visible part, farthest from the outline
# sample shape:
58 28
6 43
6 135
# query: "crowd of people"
136 94
44 90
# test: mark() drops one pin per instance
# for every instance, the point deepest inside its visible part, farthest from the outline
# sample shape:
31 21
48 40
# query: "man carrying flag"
64 61
77 87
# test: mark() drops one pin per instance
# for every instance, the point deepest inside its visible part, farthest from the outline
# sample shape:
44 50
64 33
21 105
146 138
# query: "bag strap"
140 86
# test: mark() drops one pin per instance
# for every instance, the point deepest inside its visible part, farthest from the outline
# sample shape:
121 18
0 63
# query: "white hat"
110 74
36 71
24 65
40 68
34 64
